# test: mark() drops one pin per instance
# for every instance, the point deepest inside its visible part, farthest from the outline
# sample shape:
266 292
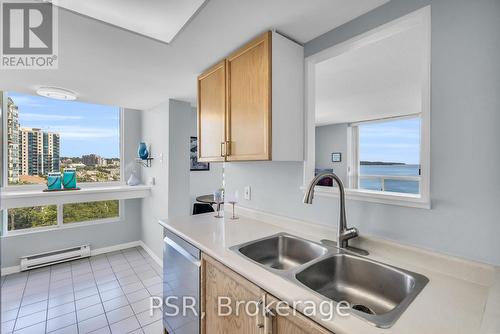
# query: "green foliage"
80 212
37 216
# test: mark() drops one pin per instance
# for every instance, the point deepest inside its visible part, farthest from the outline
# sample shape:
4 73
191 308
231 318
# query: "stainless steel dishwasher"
181 285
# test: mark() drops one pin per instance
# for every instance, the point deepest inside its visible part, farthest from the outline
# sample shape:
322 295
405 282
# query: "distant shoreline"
381 163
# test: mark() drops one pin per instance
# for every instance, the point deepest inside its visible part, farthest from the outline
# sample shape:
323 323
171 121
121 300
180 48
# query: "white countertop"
461 297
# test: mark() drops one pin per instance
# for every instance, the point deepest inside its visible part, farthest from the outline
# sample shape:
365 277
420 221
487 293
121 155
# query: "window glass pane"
389 155
81 212
46 135
37 216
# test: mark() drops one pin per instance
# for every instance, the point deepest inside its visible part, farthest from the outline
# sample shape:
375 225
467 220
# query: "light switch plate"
248 193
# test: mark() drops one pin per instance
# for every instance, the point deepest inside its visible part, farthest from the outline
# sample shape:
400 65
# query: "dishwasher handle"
182 251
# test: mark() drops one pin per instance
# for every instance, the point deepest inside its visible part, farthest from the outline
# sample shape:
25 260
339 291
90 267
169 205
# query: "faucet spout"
343 233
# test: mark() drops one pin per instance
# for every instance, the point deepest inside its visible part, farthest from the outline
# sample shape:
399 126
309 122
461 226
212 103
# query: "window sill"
36 197
400 199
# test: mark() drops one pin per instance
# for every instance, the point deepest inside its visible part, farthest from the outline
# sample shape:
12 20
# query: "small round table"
208 199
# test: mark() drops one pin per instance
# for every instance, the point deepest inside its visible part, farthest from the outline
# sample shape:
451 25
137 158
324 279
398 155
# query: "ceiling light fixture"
57 93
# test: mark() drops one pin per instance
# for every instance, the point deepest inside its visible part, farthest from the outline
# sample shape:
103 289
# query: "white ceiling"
158 19
104 64
379 80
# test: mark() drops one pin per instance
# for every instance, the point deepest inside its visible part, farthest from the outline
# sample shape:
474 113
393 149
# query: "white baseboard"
114 248
151 253
98 251
11 270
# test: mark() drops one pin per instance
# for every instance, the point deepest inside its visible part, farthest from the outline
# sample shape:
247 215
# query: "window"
81 212
26 218
46 135
23 219
388 155
43 135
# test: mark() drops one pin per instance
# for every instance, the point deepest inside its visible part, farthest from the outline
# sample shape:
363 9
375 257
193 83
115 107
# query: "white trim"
122 146
93 252
60 222
421 17
65 226
353 157
386 119
21 199
11 270
400 199
114 248
151 253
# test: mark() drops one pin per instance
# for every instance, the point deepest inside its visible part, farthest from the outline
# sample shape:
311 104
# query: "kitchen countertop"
461 297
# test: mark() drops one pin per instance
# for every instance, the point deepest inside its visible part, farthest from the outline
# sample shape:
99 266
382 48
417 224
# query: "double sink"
376 292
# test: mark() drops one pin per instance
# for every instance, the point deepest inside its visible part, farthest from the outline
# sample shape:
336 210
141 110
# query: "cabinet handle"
259 322
228 147
268 321
222 150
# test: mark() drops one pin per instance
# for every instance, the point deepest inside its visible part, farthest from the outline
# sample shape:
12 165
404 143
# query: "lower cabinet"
291 322
231 304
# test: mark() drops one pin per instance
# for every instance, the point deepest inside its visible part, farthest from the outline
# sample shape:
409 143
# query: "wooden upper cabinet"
251 106
249 101
212 113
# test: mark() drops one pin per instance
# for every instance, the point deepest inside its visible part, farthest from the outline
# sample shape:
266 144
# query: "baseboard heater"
58 256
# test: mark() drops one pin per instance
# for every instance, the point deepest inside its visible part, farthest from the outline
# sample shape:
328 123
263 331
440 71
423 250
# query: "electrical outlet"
248 193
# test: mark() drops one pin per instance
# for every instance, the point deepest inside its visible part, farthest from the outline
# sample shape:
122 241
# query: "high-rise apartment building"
39 151
93 160
12 142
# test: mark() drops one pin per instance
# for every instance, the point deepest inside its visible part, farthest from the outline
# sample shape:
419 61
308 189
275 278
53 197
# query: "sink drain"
362 308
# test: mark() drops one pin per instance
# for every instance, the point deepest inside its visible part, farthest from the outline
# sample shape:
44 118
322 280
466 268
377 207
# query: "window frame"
5 184
353 150
421 17
60 225
6 188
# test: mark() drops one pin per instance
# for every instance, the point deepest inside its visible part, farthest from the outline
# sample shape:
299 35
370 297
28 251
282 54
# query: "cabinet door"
290 322
212 113
220 281
249 101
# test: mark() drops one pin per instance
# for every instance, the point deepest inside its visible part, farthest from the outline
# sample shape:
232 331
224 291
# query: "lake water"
402 186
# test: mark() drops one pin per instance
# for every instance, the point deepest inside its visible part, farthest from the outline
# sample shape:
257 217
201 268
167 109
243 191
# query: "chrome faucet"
343 233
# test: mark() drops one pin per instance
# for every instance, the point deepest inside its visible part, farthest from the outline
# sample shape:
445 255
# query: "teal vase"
142 151
54 181
69 178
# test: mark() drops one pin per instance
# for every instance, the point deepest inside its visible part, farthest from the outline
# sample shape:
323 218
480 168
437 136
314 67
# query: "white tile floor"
108 293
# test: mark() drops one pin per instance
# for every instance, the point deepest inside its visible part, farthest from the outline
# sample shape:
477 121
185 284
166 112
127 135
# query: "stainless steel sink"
282 251
377 292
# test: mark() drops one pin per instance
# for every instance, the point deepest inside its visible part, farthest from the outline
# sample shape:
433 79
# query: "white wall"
179 135
99 235
465 182
167 129
155 123
329 139
203 182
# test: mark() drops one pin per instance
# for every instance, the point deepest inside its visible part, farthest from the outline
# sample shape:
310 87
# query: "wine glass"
232 199
219 199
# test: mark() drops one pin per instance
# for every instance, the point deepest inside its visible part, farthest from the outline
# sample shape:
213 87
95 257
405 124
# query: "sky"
395 141
84 128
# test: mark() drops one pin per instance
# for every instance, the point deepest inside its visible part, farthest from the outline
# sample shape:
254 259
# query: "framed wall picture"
195 165
336 157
